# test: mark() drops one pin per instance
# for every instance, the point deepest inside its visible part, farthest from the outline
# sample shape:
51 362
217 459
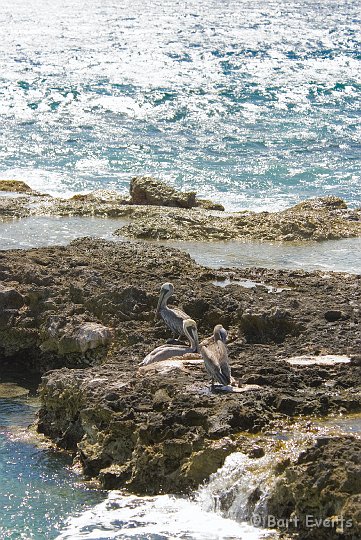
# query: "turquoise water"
38 490
254 103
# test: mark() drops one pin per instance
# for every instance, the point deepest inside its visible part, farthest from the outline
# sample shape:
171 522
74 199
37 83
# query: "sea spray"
231 505
240 488
163 517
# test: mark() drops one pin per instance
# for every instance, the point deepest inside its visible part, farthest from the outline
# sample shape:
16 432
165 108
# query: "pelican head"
190 330
220 333
166 292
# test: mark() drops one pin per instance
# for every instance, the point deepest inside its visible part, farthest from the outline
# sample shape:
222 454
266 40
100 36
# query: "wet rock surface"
88 309
319 494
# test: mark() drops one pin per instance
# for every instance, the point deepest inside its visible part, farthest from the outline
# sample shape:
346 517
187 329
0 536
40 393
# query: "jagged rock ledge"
88 310
159 212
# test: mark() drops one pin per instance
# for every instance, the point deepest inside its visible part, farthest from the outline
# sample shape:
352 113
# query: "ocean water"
254 103
38 490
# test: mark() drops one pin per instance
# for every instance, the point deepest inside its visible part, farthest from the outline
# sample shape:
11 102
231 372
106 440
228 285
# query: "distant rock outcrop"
16 186
149 191
324 218
145 190
156 211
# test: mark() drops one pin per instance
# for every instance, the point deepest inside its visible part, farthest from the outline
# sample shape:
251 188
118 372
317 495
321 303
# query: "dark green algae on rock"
160 430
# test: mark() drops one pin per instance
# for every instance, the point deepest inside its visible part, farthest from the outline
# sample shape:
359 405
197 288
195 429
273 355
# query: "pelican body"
173 317
215 356
164 352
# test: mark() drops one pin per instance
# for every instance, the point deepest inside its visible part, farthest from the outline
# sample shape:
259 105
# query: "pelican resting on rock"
173 317
164 352
215 356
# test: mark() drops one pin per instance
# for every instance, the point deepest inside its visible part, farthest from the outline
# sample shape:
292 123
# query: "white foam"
162 517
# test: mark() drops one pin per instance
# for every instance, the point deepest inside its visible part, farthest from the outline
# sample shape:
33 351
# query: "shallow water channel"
336 255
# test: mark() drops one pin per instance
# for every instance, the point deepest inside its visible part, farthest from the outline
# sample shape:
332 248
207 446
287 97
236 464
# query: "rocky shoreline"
86 313
82 316
156 211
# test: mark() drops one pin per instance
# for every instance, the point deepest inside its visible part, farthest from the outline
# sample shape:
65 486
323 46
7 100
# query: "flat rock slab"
326 360
223 389
236 389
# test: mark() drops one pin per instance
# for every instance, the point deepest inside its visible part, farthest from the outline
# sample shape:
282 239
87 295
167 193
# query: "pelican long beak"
223 334
160 301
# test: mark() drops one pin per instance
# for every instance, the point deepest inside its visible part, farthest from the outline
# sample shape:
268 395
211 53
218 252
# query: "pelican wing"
174 318
216 361
180 313
223 360
164 352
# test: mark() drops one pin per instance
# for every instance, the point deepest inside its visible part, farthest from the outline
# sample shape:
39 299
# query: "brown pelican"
215 356
173 317
167 351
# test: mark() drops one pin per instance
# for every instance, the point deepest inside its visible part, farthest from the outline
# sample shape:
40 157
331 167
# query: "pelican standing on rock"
164 352
173 317
215 356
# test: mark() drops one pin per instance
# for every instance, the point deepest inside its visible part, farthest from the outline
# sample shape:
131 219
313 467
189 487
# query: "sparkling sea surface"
255 104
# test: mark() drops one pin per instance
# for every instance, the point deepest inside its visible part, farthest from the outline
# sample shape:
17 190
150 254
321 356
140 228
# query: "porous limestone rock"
322 490
146 190
75 339
125 425
317 219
